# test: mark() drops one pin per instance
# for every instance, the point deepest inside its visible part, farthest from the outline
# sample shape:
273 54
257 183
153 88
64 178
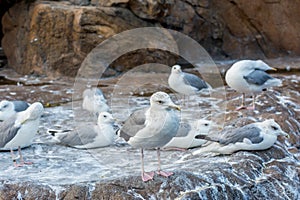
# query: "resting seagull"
255 136
89 135
249 76
19 130
185 137
94 101
10 108
159 127
185 83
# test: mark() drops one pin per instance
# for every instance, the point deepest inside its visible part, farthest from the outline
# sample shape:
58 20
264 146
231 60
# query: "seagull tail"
54 132
205 137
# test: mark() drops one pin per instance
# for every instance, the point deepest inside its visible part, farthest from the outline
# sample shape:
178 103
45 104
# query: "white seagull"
19 130
254 136
186 83
10 108
185 137
249 76
89 136
94 101
160 126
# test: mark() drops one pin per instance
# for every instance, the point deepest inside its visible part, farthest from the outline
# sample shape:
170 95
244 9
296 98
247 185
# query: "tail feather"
54 132
206 137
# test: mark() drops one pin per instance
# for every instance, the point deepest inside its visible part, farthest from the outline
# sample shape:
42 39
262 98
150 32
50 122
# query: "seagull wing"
8 130
257 77
134 123
80 136
250 132
20 105
194 81
183 130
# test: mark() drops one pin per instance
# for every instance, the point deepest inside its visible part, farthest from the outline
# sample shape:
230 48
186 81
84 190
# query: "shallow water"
57 165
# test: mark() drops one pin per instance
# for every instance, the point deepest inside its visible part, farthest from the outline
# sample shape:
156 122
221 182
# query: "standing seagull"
10 108
158 129
19 130
90 136
255 136
94 101
185 137
185 83
249 76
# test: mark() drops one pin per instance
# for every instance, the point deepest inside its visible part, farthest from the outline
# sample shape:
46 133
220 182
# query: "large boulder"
52 37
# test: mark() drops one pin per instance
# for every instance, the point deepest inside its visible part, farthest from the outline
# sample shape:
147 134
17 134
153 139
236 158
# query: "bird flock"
157 126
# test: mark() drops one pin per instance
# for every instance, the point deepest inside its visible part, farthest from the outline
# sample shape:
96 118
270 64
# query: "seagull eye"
5 106
274 128
104 116
160 102
205 124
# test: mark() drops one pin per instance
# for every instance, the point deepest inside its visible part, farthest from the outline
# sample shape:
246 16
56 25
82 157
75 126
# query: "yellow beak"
274 69
175 107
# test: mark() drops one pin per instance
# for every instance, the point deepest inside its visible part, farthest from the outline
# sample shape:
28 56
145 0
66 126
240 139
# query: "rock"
53 38
60 172
60 36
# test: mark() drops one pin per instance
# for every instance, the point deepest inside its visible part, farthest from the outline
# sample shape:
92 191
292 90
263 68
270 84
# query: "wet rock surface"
60 172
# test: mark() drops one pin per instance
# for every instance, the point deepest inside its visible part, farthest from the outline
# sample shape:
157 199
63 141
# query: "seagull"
19 130
94 101
249 76
89 136
159 127
185 137
254 136
10 108
186 83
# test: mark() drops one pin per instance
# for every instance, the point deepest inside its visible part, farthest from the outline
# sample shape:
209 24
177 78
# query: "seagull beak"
285 134
23 121
274 69
173 106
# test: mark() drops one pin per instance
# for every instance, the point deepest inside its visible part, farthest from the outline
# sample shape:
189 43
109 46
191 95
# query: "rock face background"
53 37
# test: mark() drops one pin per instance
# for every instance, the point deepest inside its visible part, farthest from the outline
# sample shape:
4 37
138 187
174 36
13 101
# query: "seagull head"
34 111
176 69
202 125
105 118
6 106
261 65
161 100
7 109
274 128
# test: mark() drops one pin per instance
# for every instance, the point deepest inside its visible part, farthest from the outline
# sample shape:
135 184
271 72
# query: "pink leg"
22 162
14 158
253 104
146 176
159 171
243 103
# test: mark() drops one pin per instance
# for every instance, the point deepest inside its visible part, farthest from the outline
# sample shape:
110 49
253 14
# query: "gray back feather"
183 130
83 135
257 77
249 131
134 123
20 105
194 81
8 131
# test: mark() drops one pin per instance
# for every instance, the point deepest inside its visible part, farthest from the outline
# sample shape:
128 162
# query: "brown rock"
60 34
50 37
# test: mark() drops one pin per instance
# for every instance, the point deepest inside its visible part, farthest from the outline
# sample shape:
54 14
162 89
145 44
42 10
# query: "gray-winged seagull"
88 135
160 126
19 130
254 136
10 108
186 83
249 76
